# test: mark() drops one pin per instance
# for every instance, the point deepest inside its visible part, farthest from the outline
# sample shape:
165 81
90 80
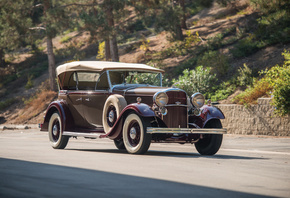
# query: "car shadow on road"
32 179
172 154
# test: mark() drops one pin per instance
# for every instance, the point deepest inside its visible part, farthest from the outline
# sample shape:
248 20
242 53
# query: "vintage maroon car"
127 103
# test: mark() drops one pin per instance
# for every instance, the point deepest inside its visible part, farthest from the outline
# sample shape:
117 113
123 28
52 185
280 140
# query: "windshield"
135 77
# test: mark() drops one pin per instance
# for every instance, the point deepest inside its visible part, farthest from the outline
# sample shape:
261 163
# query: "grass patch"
65 39
5 104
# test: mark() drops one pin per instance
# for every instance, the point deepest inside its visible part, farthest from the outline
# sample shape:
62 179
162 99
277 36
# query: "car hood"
144 91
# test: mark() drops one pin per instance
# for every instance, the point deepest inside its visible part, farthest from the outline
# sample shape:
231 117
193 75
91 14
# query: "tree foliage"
14 24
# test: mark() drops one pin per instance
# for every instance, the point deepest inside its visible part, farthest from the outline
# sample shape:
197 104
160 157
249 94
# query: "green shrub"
279 78
29 83
245 47
215 42
245 76
276 81
267 6
223 91
215 60
65 39
7 103
198 80
191 39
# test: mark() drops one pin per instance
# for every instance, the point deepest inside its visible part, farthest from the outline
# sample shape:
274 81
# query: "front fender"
143 110
61 107
210 112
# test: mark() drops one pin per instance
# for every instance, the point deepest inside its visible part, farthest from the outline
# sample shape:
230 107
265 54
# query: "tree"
54 19
14 23
168 14
102 19
183 19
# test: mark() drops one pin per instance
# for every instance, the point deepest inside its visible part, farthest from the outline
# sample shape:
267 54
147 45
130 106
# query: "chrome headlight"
197 100
160 98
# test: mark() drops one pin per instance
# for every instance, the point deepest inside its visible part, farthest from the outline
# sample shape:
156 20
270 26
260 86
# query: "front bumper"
186 130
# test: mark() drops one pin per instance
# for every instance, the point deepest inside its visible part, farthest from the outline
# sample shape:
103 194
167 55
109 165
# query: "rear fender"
61 107
141 109
209 113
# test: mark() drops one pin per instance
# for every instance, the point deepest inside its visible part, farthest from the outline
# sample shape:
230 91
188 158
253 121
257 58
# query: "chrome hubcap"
54 130
111 116
133 133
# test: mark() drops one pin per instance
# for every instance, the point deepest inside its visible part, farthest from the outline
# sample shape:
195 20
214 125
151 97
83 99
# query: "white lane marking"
257 151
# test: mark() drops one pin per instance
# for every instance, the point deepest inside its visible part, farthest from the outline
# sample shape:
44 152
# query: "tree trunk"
51 64
114 49
107 50
183 19
113 40
50 54
2 58
178 30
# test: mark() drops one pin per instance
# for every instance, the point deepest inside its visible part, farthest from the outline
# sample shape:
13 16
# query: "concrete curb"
18 127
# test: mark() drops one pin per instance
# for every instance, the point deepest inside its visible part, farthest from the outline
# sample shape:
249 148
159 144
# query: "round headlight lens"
161 99
197 100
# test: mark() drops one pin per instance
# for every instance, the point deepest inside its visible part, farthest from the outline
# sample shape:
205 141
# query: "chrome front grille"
177 109
175 97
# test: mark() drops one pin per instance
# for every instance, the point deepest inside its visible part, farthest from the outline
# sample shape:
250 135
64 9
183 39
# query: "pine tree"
14 25
103 20
168 14
55 18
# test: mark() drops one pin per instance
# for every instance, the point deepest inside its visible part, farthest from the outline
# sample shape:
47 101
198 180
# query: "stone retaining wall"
254 120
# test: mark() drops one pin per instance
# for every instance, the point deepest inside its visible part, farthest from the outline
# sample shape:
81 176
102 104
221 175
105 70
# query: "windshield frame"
125 70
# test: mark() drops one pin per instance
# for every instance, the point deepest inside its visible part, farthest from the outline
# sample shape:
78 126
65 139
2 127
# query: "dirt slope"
207 23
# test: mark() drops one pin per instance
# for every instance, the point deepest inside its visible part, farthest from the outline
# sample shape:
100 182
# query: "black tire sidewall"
62 140
145 138
210 144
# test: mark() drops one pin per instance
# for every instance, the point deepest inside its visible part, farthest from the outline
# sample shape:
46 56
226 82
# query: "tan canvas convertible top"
102 66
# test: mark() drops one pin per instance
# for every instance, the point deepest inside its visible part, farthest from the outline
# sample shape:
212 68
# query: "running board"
86 135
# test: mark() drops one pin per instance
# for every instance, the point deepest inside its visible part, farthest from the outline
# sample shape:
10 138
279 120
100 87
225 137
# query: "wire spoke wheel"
57 140
111 115
135 138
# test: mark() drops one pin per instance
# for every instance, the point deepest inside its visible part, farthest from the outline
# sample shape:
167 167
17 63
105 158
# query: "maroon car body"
112 100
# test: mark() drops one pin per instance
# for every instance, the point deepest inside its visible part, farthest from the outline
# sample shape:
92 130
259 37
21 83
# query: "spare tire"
112 109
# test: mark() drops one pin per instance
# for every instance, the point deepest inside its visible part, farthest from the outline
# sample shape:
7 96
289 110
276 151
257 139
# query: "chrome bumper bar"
186 130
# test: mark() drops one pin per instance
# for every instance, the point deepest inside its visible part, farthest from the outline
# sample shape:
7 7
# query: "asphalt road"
245 166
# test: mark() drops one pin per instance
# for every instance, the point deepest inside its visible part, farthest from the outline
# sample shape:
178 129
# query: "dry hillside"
28 105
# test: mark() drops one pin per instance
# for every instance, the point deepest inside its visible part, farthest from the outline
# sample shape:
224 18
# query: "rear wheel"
135 138
210 144
57 140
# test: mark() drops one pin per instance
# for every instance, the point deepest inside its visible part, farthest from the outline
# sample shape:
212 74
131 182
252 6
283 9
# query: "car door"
75 101
93 103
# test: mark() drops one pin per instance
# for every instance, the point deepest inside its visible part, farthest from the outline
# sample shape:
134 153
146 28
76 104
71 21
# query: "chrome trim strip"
152 130
89 135
173 89
175 105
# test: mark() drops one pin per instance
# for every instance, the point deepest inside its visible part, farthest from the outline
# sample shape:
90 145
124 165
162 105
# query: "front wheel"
135 138
57 140
119 144
210 144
